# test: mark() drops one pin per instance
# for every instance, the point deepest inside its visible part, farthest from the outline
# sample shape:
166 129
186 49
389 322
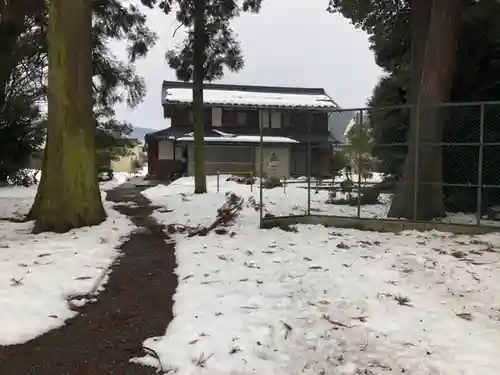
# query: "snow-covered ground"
39 272
325 300
122 177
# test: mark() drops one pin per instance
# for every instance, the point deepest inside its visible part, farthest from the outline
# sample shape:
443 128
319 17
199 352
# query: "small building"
131 162
136 157
287 119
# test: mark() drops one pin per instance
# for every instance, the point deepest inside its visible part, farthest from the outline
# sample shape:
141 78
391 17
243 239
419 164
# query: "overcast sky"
289 43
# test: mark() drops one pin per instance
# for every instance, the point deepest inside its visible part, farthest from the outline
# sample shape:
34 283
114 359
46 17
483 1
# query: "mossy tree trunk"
200 180
68 195
438 22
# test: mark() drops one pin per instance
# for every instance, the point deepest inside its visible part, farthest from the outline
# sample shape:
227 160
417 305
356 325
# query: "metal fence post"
359 170
480 166
261 167
309 120
417 166
218 182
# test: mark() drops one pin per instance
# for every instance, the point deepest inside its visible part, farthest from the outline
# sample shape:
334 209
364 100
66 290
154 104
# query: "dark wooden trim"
247 88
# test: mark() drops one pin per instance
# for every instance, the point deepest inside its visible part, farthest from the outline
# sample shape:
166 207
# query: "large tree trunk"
420 18
68 195
434 84
200 181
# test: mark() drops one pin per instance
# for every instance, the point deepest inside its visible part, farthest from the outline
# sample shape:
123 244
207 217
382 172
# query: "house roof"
167 133
316 139
215 136
176 134
218 136
235 138
247 96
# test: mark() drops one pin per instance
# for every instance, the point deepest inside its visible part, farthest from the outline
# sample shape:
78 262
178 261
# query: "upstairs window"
233 117
271 119
241 118
264 117
217 117
275 120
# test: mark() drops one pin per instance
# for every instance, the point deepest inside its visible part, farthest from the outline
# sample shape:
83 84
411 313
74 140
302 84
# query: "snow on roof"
225 137
251 98
222 134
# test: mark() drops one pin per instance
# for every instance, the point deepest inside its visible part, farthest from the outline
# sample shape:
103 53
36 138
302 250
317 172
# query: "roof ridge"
247 88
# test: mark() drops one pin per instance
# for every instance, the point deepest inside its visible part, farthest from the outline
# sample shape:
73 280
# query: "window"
264 117
275 119
271 119
232 117
217 117
241 118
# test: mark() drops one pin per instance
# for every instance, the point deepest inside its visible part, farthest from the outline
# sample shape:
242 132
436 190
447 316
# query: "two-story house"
288 118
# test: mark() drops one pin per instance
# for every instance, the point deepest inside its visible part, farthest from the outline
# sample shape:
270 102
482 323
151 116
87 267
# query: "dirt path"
136 304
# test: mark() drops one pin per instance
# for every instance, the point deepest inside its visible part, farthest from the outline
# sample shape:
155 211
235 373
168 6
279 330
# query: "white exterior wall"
126 163
283 154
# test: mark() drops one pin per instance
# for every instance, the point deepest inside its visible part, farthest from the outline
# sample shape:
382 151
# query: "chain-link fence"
401 162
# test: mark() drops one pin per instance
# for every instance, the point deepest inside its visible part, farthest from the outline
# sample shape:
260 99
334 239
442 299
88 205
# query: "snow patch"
324 300
39 272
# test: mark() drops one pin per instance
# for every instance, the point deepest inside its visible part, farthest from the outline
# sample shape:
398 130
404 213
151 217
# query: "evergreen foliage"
477 78
23 74
210 46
